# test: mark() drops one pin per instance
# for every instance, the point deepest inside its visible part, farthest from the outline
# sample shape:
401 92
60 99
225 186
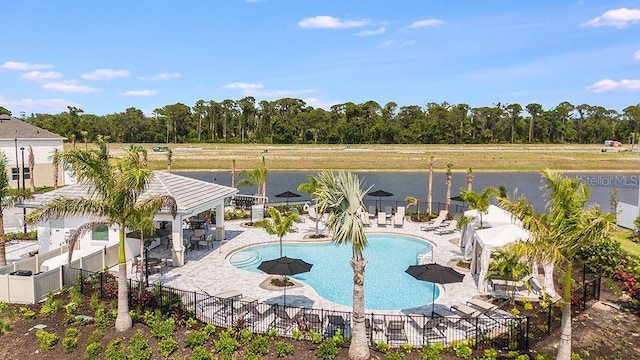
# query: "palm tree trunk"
359 348
123 321
447 199
3 241
430 190
564 347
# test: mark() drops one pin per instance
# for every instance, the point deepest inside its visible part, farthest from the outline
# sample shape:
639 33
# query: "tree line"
292 121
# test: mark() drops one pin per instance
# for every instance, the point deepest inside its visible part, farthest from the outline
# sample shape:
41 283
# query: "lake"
403 184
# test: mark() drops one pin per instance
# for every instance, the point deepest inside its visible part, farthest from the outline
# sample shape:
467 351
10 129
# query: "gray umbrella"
380 193
287 194
285 266
434 273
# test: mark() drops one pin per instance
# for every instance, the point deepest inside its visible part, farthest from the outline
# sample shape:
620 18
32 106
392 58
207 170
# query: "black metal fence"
495 329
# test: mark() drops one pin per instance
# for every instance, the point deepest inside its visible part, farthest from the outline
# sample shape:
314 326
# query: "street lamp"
17 165
24 210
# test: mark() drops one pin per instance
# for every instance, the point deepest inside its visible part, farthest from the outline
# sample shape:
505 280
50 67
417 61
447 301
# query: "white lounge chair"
433 226
364 216
382 219
372 211
398 220
449 229
442 216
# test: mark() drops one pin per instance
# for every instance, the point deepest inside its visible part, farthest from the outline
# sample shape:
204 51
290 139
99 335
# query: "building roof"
14 128
190 194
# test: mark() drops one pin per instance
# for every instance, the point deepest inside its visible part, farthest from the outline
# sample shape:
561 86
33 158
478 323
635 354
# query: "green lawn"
622 235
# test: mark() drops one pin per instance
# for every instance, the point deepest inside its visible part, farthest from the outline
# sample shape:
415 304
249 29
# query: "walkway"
209 270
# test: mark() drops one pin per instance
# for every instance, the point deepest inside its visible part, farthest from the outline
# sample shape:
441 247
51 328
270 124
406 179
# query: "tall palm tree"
469 179
56 159
233 173
508 266
279 224
7 201
32 164
559 234
144 225
479 201
340 195
256 177
447 199
311 187
115 189
432 160
169 160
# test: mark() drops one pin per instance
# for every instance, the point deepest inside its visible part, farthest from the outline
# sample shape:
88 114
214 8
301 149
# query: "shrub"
489 354
246 335
406 348
226 344
315 337
166 347
190 322
432 352
209 329
296 334
70 341
139 347
272 334
96 336
93 351
522 357
46 339
394 355
197 338
5 326
163 329
544 357
326 351
259 346
100 318
50 306
383 346
337 338
27 314
284 349
200 353
3 305
115 350
463 350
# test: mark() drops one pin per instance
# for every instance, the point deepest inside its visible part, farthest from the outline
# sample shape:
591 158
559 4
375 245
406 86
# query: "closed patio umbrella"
285 266
435 273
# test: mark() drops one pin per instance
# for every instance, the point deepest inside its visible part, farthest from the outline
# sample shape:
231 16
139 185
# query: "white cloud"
636 55
69 86
14 65
612 85
106 74
619 18
397 43
37 105
372 32
41 76
424 23
242 86
162 76
319 103
329 22
139 93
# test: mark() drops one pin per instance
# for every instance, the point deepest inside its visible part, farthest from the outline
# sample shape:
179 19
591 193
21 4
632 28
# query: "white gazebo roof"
494 216
499 236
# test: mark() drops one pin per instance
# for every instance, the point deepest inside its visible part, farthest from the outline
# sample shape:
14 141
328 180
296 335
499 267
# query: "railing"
498 331
424 253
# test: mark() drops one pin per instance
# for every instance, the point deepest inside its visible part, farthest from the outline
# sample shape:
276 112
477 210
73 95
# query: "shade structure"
287 195
285 266
434 273
156 234
380 194
457 198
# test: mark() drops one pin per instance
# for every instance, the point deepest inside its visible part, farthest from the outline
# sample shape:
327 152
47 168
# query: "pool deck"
209 269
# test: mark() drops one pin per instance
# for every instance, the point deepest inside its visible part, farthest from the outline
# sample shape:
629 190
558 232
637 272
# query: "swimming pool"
387 286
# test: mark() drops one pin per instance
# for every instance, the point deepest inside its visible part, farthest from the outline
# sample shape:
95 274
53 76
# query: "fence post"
526 335
476 333
102 285
160 294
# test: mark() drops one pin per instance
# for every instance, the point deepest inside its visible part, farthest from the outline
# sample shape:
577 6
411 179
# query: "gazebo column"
220 222
177 247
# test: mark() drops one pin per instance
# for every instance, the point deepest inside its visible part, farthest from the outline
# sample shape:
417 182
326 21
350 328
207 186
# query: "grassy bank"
391 157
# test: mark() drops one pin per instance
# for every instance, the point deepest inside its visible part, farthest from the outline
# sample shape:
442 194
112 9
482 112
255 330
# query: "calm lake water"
403 184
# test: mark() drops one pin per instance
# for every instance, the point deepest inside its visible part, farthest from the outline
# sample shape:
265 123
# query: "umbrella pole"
433 299
284 300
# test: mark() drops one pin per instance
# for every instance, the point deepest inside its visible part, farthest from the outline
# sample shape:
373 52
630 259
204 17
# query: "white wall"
626 214
42 149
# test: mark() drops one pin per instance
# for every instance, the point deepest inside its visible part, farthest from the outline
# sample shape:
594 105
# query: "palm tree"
507 266
430 190
145 156
278 224
56 159
144 225
311 187
412 201
256 177
32 164
233 173
340 195
169 160
115 188
7 201
469 179
479 201
447 199
559 234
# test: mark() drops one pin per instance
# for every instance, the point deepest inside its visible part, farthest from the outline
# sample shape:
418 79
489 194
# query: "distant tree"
256 177
479 201
56 159
279 224
169 160
413 201
4 111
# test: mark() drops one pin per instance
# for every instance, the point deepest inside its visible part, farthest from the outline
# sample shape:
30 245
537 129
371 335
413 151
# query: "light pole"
17 165
24 210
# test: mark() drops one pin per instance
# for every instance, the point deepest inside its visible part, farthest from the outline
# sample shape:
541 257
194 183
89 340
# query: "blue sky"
105 56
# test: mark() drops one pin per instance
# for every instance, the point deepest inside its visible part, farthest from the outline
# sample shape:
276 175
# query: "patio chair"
335 322
449 229
442 216
429 327
283 318
198 234
395 331
313 321
388 211
372 211
398 220
433 226
466 312
159 265
255 312
135 263
482 305
382 219
208 241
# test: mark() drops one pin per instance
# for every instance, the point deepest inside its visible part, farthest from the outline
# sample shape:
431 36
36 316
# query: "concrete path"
209 270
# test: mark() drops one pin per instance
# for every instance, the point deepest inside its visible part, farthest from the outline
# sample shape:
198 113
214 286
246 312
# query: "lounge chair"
429 327
313 321
398 220
372 211
449 229
442 216
335 322
284 318
433 226
395 331
256 312
382 219
364 216
466 312
482 305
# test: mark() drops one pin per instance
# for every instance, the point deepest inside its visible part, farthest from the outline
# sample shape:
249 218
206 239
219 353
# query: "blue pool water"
387 286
